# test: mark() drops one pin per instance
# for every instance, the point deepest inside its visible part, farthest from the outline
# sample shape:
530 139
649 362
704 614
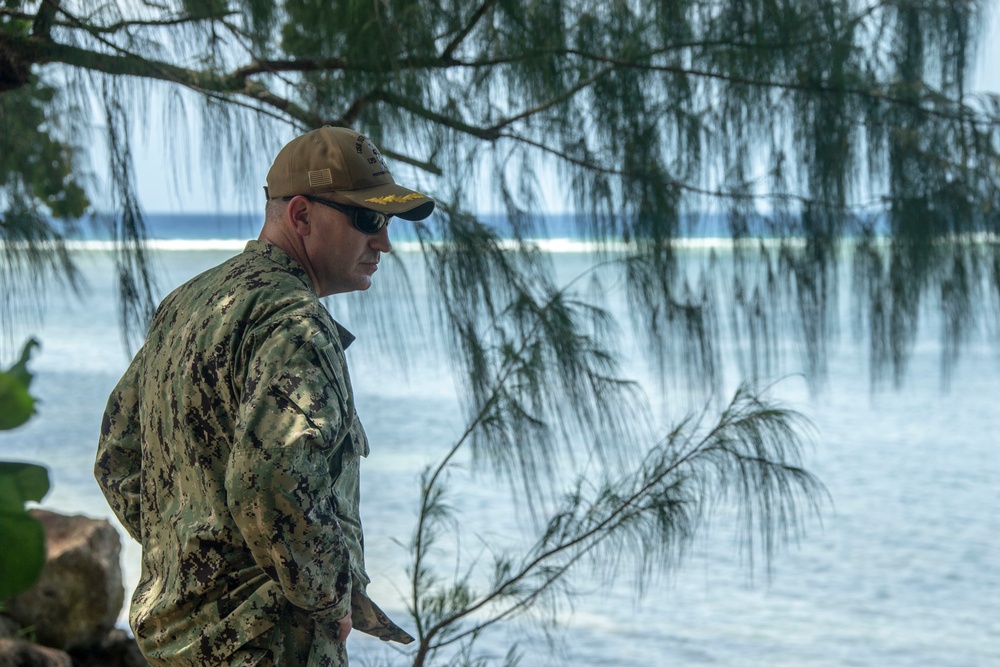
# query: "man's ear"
297 214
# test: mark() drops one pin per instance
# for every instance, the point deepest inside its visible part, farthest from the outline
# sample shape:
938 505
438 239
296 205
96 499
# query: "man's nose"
380 241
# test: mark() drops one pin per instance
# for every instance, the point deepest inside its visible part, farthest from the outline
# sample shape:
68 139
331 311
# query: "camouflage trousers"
293 642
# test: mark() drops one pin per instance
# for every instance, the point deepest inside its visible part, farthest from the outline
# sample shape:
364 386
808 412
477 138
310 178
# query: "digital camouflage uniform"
230 450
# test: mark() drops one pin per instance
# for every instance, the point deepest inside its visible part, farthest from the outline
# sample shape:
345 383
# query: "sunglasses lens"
369 221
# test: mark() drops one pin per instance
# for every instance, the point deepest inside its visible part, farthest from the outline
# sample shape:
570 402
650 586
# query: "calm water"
902 571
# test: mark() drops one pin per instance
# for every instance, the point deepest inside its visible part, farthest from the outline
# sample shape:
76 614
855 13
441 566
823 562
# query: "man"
230 448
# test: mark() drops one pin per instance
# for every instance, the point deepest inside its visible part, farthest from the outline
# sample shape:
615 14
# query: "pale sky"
160 191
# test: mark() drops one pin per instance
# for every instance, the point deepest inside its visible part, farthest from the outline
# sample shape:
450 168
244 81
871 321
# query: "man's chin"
360 284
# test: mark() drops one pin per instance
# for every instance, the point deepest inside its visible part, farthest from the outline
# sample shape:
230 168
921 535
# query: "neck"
292 244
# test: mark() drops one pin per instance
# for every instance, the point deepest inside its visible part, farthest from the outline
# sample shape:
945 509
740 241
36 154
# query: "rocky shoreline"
68 618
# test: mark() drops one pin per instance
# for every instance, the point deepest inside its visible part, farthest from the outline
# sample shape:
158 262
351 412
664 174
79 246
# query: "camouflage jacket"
230 451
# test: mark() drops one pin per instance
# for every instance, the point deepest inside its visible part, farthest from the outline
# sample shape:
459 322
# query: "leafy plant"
23 555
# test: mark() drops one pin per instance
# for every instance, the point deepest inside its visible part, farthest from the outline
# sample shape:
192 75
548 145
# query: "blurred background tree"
803 122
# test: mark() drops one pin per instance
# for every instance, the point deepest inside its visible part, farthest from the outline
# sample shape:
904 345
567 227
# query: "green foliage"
14 25
16 404
38 181
23 555
34 166
801 130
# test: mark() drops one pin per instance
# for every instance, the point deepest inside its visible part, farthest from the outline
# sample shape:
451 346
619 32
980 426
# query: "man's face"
343 258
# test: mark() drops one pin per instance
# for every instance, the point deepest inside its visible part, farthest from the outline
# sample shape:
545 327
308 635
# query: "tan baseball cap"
338 160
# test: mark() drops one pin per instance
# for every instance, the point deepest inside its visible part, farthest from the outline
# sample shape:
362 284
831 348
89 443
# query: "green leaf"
23 555
21 483
16 404
36 165
22 536
20 370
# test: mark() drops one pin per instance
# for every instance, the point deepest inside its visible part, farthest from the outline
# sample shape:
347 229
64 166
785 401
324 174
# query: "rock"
117 650
80 593
8 627
19 653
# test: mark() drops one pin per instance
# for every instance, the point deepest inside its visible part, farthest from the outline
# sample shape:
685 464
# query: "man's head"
330 198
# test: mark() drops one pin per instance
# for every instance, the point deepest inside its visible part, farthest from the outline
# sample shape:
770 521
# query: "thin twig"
446 55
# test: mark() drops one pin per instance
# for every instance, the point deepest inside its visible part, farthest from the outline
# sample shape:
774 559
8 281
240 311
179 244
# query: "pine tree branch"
42 25
111 28
292 65
126 25
681 185
742 416
129 64
812 87
408 104
44 17
493 132
237 83
601 530
520 604
423 62
429 492
228 87
223 87
429 487
554 101
446 55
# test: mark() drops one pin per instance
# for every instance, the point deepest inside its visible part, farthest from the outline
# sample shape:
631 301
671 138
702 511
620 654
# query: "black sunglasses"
364 220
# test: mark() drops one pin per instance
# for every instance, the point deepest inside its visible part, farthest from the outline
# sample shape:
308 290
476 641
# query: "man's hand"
345 627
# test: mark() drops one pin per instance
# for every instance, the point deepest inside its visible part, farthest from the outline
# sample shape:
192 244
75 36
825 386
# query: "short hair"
274 209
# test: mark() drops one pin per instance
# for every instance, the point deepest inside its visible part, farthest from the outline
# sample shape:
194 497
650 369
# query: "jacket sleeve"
278 480
118 467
